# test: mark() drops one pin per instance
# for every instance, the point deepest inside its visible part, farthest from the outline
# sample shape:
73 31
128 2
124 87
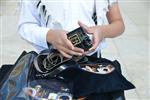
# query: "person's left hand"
96 32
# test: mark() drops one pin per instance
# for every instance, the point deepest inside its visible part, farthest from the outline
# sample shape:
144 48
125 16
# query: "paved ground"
131 49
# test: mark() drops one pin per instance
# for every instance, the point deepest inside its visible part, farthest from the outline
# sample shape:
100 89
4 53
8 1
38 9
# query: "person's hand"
96 32
58 39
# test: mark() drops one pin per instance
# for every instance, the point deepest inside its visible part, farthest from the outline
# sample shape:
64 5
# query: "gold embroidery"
75 39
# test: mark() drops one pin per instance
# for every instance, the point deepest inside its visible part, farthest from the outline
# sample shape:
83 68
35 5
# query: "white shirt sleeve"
30 27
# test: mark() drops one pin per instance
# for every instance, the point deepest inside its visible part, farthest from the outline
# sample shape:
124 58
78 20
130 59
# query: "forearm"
34 34
116 25
112 30
30 26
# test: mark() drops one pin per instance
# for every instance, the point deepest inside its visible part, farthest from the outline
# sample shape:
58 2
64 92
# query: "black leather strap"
96 54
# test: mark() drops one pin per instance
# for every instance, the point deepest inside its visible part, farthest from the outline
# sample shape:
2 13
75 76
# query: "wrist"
102 30
49 36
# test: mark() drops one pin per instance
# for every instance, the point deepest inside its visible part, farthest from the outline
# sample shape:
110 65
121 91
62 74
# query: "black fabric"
109 86
4 73
86 83
119 95
99 96
81 83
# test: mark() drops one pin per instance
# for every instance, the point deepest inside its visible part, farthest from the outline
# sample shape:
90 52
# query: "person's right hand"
58 39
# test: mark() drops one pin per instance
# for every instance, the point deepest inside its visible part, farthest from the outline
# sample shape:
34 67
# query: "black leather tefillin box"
80 39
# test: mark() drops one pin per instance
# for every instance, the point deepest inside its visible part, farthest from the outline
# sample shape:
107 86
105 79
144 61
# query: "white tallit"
100 5
48 10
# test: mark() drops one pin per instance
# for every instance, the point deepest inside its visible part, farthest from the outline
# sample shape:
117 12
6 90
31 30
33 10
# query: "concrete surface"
131 49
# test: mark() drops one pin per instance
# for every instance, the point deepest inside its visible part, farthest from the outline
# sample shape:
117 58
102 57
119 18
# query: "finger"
76 49
95 44
68 44
65 54
87 52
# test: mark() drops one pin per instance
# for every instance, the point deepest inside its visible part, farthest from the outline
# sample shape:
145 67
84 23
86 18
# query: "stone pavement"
131 49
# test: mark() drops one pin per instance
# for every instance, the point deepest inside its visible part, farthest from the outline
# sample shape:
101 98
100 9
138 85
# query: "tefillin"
80 39
51 64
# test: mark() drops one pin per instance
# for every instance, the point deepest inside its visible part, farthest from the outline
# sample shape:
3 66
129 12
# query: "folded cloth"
86 82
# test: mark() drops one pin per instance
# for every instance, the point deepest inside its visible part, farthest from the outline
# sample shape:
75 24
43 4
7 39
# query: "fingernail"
80 54
82 51
91 49
70 57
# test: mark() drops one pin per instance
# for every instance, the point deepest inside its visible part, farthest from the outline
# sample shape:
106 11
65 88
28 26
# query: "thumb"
83 26
95 44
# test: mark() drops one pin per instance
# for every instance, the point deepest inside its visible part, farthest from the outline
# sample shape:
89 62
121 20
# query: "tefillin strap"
38 3
55 59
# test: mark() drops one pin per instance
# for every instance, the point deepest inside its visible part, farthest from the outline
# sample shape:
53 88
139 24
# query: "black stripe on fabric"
45 12
94 17
43 8
38 4
47 20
